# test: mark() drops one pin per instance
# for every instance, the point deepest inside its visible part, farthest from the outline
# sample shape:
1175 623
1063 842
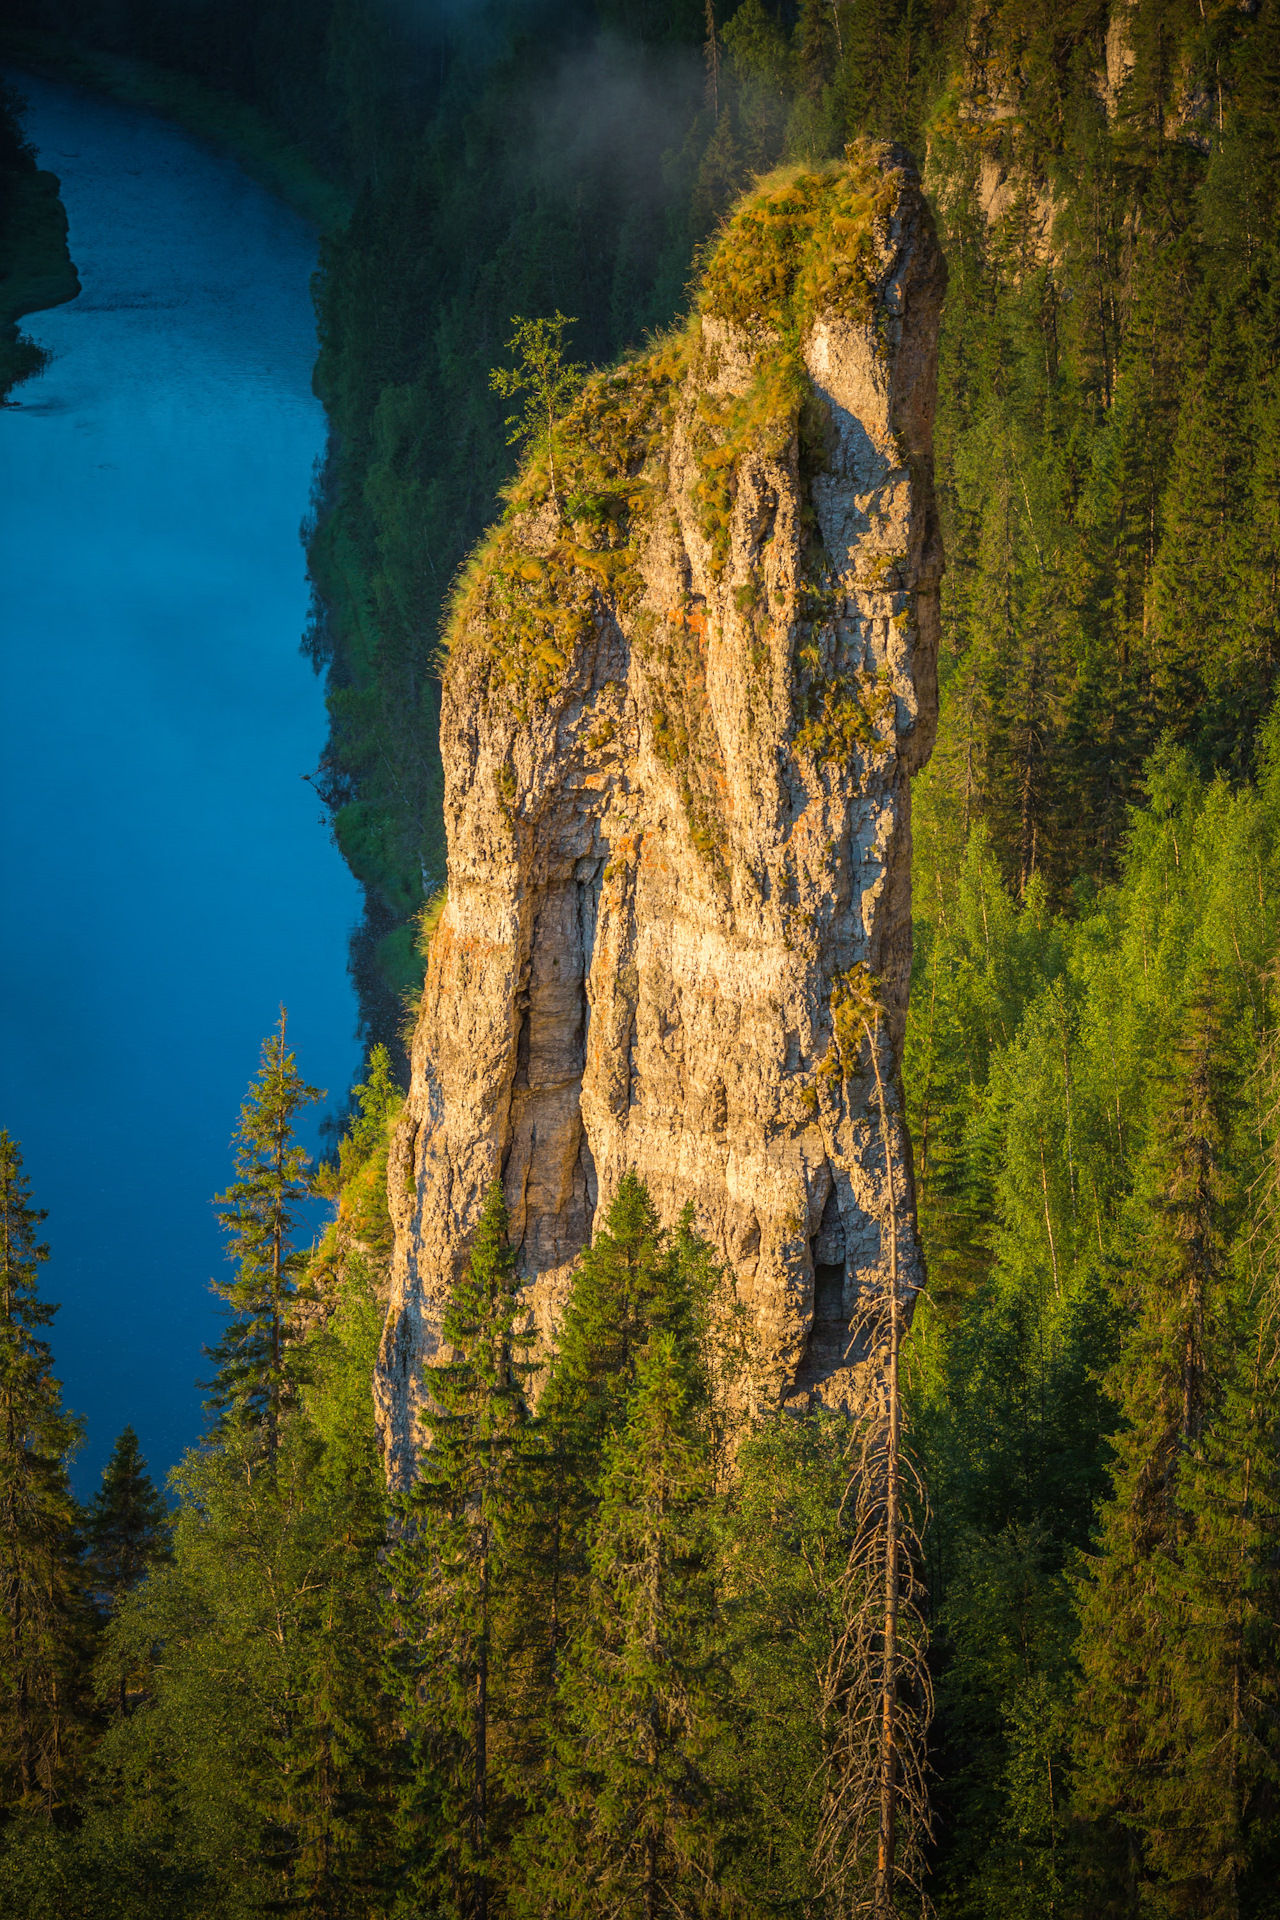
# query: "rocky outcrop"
685 693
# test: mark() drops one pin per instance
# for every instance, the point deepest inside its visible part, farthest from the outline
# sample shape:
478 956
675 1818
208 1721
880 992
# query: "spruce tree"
257 1761
1178 1613
45 1612
448 1579
126 1531
631 1281
1200 597
128 1522
782 1548
630 1823
634 1280
258 1364
1217 1765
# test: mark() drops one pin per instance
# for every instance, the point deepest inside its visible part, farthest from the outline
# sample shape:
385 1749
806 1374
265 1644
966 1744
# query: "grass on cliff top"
803 241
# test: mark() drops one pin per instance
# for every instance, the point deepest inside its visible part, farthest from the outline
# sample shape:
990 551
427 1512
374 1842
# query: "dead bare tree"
877 1698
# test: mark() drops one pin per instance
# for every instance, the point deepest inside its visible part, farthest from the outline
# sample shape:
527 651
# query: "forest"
610 1656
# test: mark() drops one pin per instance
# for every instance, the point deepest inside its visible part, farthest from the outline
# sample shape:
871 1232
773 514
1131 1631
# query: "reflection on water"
165 878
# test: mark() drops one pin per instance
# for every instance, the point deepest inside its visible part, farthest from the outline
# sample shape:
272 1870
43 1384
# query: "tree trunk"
481 1836
893 1530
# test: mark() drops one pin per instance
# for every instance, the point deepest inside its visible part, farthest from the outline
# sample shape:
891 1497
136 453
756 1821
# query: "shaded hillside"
35 267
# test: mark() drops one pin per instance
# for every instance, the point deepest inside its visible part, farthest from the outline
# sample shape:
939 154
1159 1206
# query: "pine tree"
258 1365
448 1577
45 1612
127 1530
630 1823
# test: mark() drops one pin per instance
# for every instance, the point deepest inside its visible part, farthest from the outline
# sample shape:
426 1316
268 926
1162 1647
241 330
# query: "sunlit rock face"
685 695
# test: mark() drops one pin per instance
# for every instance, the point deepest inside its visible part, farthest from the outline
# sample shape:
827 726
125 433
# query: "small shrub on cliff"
547 379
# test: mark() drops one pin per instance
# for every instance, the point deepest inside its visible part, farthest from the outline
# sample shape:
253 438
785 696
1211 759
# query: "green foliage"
1106 420
254 1766
803 241
449 1579
528 609
127 1528
783 1543
634 1280
1095 900
1094 1223
762 421
377 1100
545 377
126 1534
1180 1616
631 1820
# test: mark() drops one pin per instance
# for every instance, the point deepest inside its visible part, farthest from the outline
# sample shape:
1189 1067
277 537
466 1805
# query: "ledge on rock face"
682 701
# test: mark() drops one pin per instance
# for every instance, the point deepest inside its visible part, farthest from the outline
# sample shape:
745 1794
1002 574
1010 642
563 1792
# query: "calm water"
165 880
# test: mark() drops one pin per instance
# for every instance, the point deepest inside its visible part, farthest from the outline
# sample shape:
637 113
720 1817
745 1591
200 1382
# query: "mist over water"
166 881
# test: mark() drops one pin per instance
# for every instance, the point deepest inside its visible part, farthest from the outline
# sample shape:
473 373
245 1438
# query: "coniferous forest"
615 1652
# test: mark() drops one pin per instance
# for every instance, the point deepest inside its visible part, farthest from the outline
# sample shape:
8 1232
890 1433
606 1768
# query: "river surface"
165 878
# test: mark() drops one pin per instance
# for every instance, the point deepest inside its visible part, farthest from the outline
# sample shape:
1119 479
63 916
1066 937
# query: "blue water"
166 881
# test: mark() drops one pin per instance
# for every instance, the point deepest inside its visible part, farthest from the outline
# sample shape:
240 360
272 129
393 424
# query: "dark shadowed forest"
290 1691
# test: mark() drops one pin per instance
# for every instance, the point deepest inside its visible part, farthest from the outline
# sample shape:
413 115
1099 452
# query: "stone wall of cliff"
685 693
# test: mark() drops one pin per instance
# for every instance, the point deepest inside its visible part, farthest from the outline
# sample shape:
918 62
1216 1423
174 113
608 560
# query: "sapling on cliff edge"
542 373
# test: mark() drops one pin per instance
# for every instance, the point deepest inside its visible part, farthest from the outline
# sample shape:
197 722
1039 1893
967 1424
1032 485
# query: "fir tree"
1217 1763
1200 586
45 1615
448 1578
783 1545
258 1363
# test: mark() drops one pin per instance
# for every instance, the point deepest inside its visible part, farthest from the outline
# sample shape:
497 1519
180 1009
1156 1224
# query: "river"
166 879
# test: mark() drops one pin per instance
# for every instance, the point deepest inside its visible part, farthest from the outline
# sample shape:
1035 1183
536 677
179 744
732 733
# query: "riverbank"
266 156
36 270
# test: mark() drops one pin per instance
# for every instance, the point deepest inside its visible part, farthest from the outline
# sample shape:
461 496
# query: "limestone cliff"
685 691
